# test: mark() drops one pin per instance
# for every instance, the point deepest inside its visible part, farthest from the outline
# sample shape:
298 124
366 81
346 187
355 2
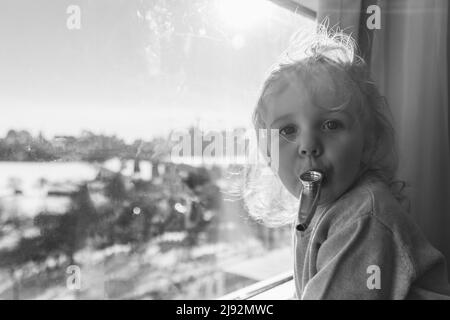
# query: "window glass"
92 206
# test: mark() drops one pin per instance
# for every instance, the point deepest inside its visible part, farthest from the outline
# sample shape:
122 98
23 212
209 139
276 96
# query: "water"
24 186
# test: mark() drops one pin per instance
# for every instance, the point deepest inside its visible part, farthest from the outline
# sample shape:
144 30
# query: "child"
361 243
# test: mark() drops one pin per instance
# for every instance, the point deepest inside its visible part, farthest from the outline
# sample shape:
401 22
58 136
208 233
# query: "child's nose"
309 147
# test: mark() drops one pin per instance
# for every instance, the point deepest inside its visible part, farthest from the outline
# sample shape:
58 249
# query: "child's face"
312 137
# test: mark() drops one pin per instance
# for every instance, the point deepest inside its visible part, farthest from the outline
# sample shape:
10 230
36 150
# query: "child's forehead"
323 90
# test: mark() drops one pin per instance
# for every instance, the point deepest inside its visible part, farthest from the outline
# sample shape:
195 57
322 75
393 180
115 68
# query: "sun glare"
243 14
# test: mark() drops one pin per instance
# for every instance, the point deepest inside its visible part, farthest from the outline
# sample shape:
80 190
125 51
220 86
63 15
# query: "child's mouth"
314 175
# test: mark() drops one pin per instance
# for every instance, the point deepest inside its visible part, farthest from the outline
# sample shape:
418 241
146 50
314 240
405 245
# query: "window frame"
307 8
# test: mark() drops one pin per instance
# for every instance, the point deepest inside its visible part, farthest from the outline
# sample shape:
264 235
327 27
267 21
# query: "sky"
136 68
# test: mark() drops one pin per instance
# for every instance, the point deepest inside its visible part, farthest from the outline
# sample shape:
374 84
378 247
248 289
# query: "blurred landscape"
137 225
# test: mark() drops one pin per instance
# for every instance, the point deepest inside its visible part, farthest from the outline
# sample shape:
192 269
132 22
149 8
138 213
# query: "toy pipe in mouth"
311 181
312 178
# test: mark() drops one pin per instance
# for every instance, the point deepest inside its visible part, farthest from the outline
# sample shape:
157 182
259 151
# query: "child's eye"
331 125
288 131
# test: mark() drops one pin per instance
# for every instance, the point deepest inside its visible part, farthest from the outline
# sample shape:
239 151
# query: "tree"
22 249
68 233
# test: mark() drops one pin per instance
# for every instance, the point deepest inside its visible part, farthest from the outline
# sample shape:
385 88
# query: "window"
91 204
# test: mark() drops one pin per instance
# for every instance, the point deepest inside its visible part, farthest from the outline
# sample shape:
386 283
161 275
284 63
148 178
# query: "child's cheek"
351 156
346 155
288 159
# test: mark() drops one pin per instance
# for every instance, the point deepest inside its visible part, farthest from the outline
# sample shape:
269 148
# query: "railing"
280 287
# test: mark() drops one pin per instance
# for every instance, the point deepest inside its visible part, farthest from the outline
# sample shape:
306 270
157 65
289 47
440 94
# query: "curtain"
408 59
